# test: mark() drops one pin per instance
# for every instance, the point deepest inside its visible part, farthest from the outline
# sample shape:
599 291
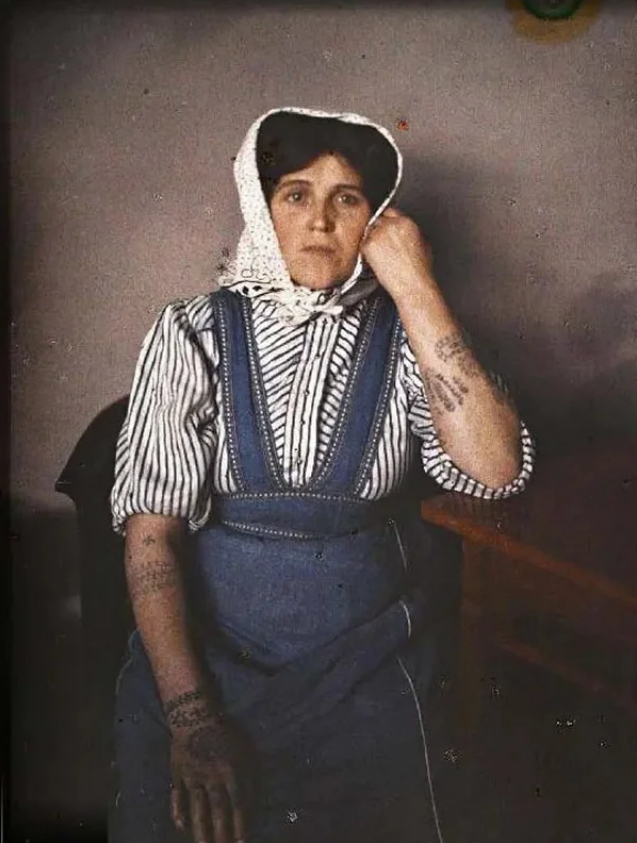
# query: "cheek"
285 230
355 232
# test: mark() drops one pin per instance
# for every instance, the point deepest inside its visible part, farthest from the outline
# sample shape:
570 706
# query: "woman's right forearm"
154 547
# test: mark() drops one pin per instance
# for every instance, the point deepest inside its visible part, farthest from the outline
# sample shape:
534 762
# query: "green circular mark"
552 9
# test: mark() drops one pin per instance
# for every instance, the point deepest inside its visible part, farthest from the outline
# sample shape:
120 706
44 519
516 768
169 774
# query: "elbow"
507 476
503 479
506 459
501 470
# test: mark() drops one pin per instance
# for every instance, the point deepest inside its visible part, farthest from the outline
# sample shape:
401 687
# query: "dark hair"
288 142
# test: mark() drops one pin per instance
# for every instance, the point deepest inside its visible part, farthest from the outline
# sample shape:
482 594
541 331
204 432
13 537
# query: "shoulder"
187 316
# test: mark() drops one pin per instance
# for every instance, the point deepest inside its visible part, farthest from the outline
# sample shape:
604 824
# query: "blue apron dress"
319 614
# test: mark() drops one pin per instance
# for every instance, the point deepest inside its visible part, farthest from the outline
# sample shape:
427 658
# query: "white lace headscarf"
258 269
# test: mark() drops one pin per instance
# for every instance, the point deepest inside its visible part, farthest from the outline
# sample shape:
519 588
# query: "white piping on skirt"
408 616
424 743
129 658
401 546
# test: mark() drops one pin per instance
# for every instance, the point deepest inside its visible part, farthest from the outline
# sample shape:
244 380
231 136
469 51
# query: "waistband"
305 515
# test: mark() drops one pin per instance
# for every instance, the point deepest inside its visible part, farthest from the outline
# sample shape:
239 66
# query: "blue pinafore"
319 614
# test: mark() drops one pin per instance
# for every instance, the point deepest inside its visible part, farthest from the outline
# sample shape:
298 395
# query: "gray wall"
520 166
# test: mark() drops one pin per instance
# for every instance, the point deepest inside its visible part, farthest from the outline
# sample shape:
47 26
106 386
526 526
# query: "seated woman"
288 598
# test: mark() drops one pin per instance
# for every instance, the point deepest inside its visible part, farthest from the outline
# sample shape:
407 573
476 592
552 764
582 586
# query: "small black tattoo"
150 577
148 540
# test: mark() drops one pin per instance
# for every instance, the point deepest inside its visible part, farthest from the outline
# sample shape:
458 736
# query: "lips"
320 250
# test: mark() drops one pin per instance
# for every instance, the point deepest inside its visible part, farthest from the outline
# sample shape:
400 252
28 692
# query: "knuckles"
216 798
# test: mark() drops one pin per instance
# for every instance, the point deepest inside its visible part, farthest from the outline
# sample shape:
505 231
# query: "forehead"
329 166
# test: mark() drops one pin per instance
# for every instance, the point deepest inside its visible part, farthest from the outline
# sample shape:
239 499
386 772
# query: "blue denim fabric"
249 431
139 812
317 613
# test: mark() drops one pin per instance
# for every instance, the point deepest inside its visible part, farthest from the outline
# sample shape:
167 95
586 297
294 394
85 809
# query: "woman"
289 601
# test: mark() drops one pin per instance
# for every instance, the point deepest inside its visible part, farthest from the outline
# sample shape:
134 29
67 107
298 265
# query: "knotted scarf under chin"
296 304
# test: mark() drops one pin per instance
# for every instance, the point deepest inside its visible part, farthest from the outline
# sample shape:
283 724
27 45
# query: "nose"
321 217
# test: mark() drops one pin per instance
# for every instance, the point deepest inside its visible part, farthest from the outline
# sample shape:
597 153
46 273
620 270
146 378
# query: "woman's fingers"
220 814
200 817
208 797
177 811
238 822
214 813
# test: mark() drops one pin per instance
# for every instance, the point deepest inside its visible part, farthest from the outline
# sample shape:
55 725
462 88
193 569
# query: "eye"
350 199
294 197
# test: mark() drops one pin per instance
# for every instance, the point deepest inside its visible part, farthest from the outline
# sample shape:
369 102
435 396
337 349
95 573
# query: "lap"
358 774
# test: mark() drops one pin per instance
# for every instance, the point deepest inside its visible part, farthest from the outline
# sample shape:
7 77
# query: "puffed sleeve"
166 444
436 462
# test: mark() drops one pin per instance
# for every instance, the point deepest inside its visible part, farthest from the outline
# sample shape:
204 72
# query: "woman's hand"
212 781
398 254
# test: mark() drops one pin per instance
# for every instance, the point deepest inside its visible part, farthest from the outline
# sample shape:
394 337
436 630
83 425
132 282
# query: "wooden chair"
107 619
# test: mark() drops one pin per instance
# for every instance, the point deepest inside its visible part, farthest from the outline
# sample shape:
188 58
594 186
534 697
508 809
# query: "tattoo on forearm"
188 718
443 391
181 700
447 393
148 540
190 710
429 389
454 348
148 578
453 385
436 393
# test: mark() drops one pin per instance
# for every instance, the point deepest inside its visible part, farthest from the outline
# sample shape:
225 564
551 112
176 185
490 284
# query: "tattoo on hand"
454 348
151 577
210 742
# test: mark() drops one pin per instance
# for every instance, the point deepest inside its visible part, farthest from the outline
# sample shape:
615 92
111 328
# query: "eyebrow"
307 183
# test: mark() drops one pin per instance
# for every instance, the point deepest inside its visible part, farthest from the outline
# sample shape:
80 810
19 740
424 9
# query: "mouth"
319 250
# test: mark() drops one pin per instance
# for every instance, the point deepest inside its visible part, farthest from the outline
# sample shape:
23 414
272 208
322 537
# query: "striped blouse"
172 452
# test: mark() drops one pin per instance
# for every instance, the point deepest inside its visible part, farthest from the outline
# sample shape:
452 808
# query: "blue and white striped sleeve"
436 462
166 445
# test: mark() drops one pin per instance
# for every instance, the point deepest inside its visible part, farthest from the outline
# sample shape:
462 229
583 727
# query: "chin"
319 278
316 282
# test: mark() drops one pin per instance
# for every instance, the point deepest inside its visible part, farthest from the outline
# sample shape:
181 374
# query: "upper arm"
167 443
147 527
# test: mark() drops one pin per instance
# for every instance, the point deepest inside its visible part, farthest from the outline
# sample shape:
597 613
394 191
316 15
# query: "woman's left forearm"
477 424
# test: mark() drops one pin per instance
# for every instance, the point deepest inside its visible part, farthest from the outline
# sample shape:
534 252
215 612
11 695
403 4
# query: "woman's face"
320 215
